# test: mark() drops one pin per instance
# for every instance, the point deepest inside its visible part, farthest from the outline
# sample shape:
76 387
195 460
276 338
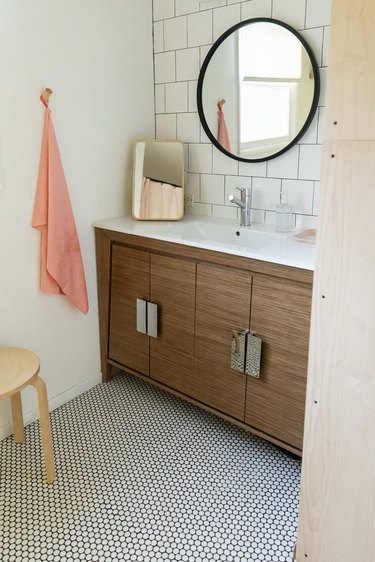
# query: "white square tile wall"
187 64
184 31
212 189
176 97
286 165
292 12
200 158
224 18
207 4
165 67
192 98
318 13
301 193
175 33
221 164
186 7
200 29
166 126
188 127
163 9
310 159
158 36
159 98
256 9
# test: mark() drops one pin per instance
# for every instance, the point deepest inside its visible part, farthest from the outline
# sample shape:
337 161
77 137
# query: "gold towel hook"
46 95
220 103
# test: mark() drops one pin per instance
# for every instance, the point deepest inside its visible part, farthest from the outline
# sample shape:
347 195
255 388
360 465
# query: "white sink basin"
222 234
259 241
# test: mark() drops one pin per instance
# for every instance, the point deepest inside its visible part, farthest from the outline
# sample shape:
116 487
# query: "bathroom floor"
144 476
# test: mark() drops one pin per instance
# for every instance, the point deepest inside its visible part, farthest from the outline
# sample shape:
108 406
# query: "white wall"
96 56
184 30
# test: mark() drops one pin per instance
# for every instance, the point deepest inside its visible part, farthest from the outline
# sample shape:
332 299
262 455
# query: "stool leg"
45 428
16 404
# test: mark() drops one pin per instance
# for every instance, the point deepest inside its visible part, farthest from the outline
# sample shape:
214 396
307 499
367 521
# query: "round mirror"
258 90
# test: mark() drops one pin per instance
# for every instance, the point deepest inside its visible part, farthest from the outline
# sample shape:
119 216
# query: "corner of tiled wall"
184 30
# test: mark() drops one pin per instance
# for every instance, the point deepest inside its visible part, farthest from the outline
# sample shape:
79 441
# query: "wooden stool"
19 368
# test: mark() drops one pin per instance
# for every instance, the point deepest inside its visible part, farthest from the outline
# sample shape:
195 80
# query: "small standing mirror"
158 180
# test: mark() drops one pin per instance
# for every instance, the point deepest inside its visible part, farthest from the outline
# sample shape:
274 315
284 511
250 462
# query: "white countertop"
258 241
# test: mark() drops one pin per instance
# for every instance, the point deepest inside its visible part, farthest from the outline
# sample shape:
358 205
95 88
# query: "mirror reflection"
158 180
258 90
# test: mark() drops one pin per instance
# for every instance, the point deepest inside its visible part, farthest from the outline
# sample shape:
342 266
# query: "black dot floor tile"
144 476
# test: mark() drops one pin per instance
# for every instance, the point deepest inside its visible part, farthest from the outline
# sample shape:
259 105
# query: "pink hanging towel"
61 269
222 132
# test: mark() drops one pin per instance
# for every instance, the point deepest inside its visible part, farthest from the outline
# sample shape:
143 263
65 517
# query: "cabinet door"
280 315
172 288
130 280
223 304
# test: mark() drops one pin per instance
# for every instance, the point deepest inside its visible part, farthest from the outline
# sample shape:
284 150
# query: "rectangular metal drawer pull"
142 316
152 319
237 359
253 355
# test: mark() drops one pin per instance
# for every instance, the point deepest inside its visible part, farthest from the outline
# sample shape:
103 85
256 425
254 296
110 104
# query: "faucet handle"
245 192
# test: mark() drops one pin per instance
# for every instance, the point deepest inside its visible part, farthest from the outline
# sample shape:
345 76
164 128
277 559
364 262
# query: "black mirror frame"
202 73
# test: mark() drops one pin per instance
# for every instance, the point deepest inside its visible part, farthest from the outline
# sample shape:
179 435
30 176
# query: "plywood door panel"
337 509
337 512
130 280
223 304
351 76
172 288
280 315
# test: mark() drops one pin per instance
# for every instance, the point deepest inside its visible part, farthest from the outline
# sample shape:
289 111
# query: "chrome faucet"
244 204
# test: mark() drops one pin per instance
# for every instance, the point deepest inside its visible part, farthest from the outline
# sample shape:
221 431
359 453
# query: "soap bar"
308 236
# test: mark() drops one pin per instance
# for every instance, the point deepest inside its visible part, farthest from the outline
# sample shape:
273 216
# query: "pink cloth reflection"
222 131
160 200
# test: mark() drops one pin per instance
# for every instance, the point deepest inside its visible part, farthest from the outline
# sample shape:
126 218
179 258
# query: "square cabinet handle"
141 316
253 355
152 319
237 359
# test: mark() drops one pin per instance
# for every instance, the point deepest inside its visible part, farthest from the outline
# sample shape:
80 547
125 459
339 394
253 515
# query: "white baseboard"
53 402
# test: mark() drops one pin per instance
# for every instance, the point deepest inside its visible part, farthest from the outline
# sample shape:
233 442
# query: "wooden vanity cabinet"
172 287
130 279
222 305
169 283
280 315
202 296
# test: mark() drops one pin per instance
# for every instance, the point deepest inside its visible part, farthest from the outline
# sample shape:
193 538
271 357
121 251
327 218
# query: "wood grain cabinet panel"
223 304
169 283
172 288
129 280
280 315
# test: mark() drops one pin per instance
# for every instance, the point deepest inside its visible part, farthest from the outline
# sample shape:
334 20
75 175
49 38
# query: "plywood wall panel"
351 77
337 519
337 511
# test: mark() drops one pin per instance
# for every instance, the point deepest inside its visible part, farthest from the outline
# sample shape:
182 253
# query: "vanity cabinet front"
151 327
168 313
278 312
223 305
280 316
130 280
